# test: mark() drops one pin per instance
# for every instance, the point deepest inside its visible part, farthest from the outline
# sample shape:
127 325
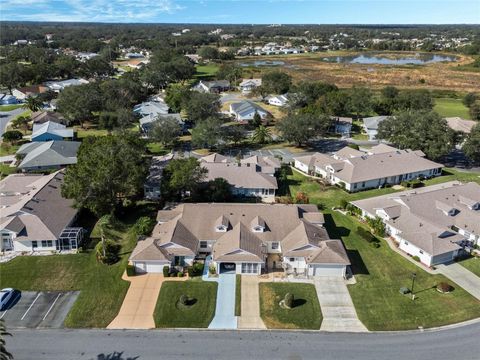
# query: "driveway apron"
336 304
250 316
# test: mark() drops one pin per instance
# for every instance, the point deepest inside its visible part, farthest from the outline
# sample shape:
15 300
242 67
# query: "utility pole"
414 275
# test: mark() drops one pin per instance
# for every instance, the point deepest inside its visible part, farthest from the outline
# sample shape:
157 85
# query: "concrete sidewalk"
462 277
250 315
336 304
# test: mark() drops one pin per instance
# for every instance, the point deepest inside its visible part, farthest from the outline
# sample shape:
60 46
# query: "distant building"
461 125
50 130
33 90
152 186
148 121
58 86
245 111
342 125
47 155
370 125
41 117
248 85
215 87
7 99
278 100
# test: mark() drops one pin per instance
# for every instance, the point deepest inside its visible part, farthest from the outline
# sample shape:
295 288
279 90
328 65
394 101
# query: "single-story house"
243 239
152 185
278 100
147 122
7 99
370 125
266 164
435 223
358 170
216 86
58 86
245 110
35 217
461 125
248 85
33 90
41 117
246 179
50 131
151 108
342 125
53 154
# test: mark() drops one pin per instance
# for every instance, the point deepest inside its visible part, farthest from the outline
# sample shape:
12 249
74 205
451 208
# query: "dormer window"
222 223
258 224
221 228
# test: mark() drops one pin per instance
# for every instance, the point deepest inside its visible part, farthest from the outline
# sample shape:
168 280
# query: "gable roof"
246 107
239 244
371 123
41 117
50 127
462 125
48 154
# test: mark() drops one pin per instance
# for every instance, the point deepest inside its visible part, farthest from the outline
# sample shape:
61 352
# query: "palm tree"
33 103
262 135
4 354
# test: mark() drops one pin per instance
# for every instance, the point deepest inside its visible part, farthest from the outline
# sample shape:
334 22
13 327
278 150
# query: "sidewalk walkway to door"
462 277
250 315
139 303
337 307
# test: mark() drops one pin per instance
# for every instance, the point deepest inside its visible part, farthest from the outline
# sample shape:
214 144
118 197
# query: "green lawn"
170 314
7 149
10 107
380 273
448 107
238 295
305 314
206 71
6 170
472 264
156 148
101 288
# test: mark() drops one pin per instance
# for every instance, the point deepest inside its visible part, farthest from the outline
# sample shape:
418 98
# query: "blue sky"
246 11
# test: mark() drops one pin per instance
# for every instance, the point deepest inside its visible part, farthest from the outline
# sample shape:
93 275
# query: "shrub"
301 198
444 287
416 258
130 270
166 270
183 300
212 270
416 184
112 250
405 184
375 244
195 270
288 300
377 226
12 136
344 204
180 274
144 225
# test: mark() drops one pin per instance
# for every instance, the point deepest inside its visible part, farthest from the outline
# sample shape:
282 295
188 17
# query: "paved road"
6 116
459 344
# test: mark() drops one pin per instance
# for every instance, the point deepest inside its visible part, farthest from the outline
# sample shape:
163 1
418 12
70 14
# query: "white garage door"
327 270
154 267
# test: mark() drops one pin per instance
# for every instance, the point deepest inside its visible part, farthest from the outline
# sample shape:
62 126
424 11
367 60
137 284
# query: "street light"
414 275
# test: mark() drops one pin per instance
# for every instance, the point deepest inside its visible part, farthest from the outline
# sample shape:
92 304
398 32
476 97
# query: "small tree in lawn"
12 136
21 122
262 135
256 120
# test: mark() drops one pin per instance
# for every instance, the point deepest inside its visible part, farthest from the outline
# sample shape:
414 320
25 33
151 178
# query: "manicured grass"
448 107
6 170
170 314
305 314
450 174
7 149
156 148
472 264
380 273
101 288
206 71
10 107
238 295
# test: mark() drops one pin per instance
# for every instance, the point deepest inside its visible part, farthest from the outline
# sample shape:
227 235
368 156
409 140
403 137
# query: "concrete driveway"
336 304
461 276
250 309
225 308
139 303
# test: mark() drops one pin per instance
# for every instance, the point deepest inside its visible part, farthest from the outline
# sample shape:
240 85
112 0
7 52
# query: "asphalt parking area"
38 309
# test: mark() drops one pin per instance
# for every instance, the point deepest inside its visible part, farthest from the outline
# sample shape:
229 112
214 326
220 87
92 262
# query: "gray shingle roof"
48 154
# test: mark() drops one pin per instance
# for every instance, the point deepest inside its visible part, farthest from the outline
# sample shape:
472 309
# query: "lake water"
396 59
260 63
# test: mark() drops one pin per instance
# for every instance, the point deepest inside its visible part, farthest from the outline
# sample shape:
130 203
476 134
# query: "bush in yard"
212 270
416 184
377 226
405 184
195 270
416 258
288 300
444 287
130 270
111 253
144 226
375 244
166 270
183 300
343 204
12 136
301 198
180 274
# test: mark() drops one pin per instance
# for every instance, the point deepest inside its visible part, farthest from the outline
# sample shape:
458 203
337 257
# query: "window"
47 243
363 184
291 259
421 251
44 243
275 245
406 243
249 268
203 244
34 244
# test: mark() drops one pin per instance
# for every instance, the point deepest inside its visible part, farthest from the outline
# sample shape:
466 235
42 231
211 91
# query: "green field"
206 71
305 314
169 313
10 107
448 107
101 288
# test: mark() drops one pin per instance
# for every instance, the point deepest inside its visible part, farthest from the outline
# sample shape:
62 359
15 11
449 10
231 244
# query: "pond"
260 63
391 59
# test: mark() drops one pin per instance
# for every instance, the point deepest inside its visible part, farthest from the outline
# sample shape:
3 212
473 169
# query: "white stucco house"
245 111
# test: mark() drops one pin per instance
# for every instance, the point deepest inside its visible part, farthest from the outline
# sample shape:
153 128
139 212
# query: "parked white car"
5 296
